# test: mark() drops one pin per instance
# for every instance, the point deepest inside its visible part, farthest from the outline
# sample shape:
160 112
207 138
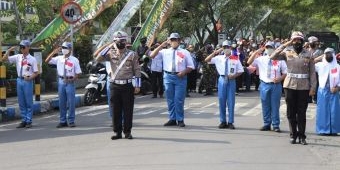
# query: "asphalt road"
200 145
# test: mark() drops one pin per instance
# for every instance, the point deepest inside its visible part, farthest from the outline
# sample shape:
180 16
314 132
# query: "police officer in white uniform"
27 69
229 67
68 69
177 63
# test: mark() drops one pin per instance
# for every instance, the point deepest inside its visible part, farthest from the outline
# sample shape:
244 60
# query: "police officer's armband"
104 52
138 82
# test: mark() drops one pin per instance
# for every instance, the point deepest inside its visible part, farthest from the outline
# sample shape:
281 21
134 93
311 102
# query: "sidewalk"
48 101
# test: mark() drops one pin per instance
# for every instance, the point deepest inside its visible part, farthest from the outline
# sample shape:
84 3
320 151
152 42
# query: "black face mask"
298 47
121 45
313 45
329 58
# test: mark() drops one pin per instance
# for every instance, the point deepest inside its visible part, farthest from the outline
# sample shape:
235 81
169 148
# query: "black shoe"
277 129
28 125
154 97
181 124
208 94
171 123
303 142
160 96
61 125
117 136
128 136
188 95
223 125
72 125
22 125
265 128
292 141
231 126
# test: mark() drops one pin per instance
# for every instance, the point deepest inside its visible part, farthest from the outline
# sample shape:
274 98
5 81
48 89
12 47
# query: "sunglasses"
62 47
22 47
173 39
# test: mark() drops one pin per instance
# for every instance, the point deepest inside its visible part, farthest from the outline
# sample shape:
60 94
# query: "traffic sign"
71 12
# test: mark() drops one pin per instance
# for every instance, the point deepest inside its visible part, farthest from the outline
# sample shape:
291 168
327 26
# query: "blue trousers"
270 98
108 96
67 96
175 90
25 98
226 95
327 113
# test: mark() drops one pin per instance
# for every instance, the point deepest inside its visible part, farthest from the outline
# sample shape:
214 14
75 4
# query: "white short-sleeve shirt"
183 59
29 64
278 67
234 65
71 67
157 63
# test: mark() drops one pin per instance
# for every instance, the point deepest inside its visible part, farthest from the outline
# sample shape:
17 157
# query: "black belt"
62 77
23 77
173 73
269 82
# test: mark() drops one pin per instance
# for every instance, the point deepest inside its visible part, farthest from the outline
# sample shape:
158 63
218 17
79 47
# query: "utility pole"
17 18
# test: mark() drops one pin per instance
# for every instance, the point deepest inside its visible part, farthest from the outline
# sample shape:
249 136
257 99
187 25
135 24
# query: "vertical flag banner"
158 15
120 21
58 30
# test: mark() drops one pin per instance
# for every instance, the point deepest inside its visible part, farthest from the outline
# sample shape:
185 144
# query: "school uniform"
227 87
67 68
270 92
26 66
328 104
175 61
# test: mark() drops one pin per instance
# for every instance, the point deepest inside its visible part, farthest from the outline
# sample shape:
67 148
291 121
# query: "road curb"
40 107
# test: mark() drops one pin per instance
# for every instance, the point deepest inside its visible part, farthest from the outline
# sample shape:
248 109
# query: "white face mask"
269 51
227 52
65 51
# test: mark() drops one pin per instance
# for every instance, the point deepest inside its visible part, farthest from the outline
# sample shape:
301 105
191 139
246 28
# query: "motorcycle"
97 85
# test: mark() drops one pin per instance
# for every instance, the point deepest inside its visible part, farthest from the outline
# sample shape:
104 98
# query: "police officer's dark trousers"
122 100
297 103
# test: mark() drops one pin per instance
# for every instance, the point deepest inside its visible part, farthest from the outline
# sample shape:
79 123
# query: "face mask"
298 47
329 58
121 45
227 52
65 51
269 51
312 45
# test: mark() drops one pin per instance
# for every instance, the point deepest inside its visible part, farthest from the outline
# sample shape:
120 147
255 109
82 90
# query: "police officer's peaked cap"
25 43
120 35
67 44
174 36
298 35
312 39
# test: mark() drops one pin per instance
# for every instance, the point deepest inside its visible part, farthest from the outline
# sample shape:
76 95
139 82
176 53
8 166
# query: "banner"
58 30
120 21
159 13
